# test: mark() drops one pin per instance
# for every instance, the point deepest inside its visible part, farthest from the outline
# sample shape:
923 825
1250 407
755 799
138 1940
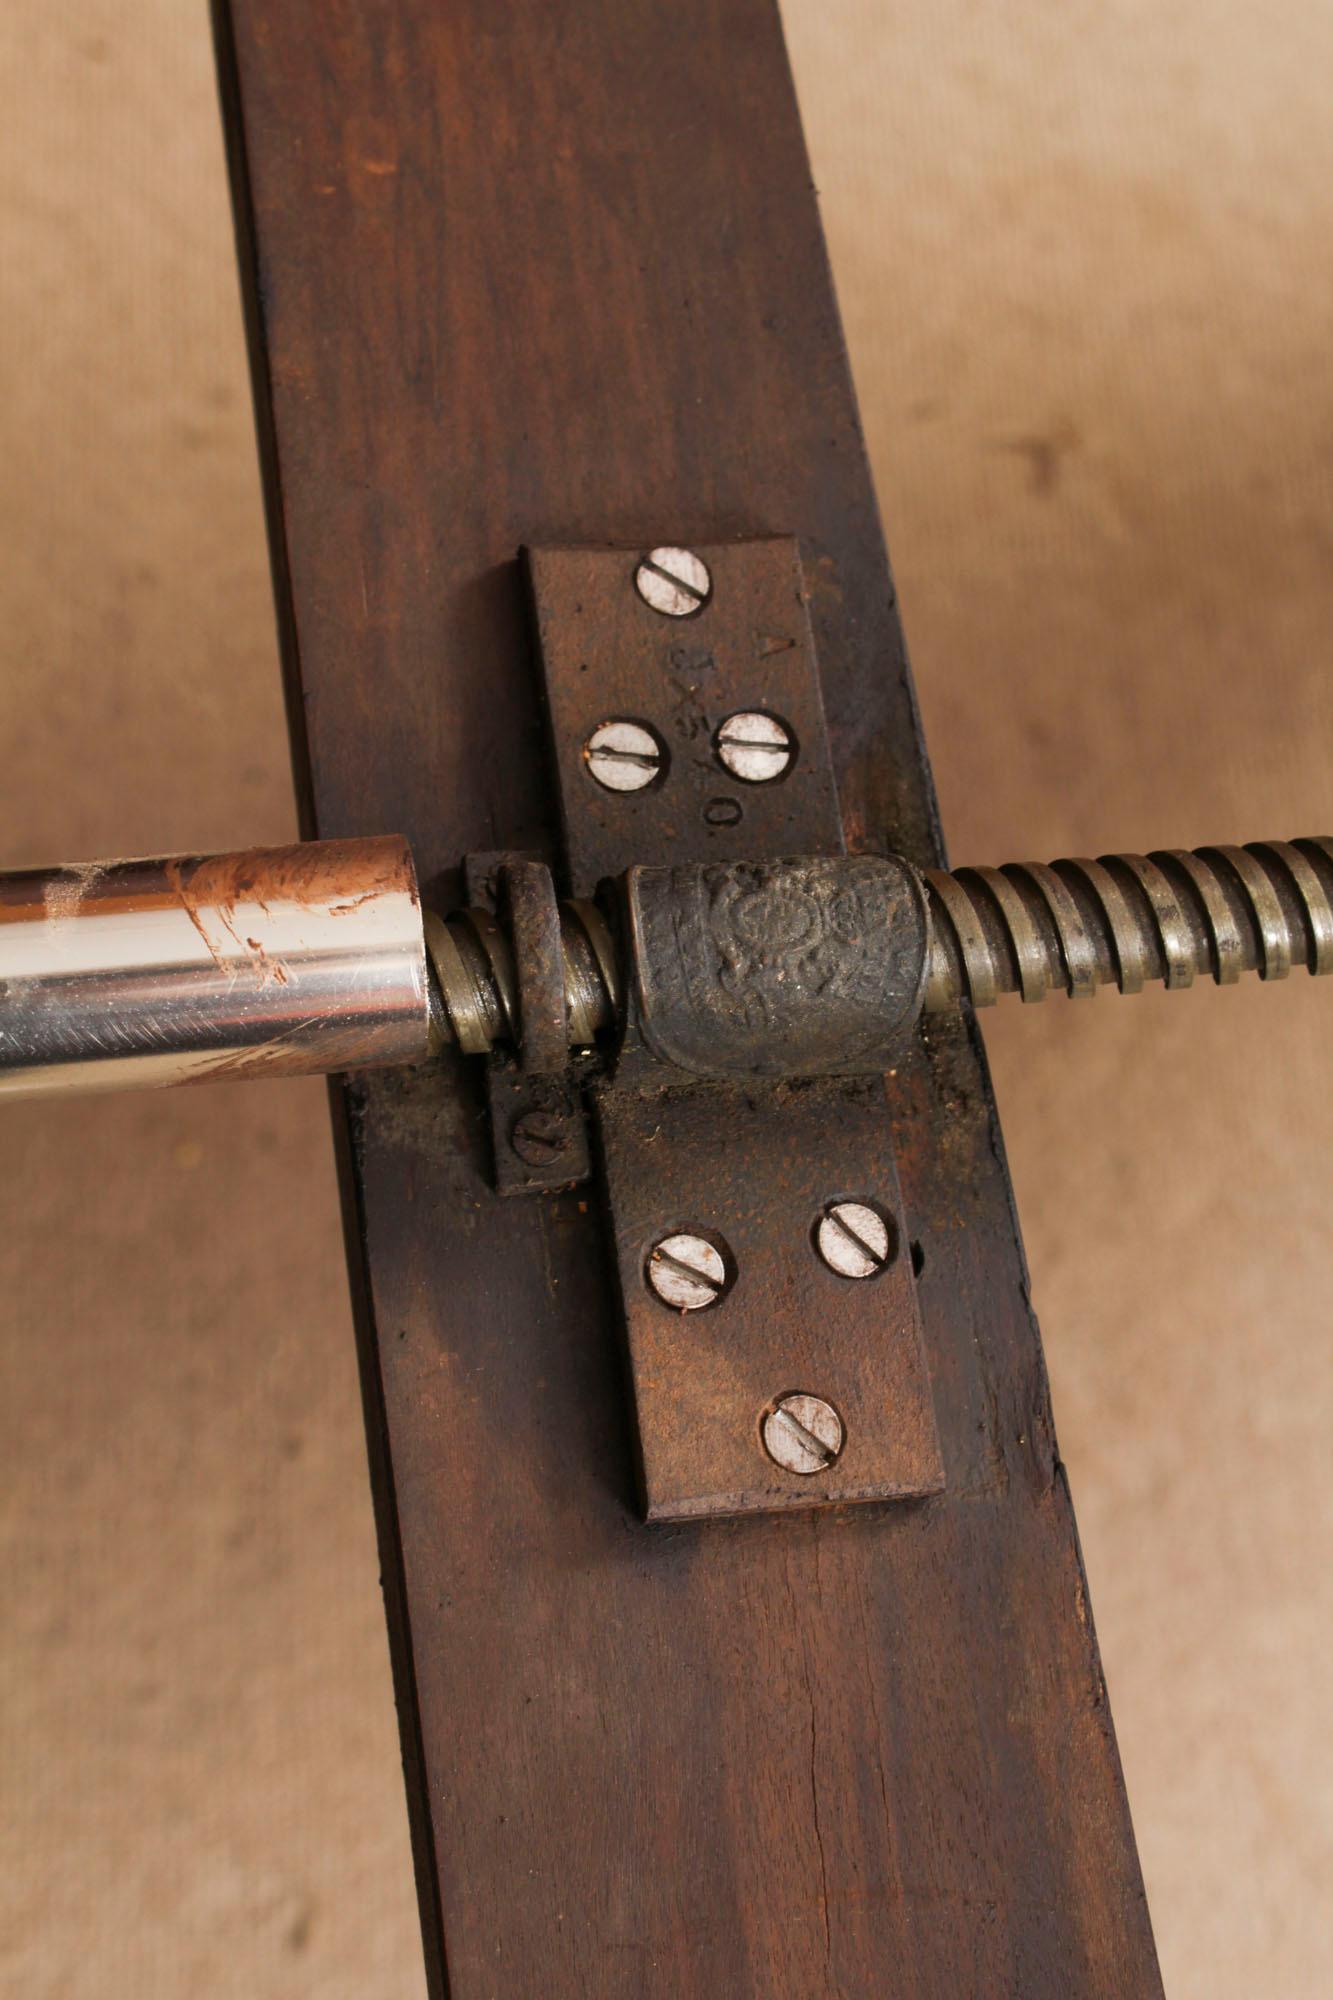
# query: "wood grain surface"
551 274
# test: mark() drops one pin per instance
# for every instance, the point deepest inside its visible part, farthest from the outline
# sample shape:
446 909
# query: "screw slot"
539 1136
674 582
803 1433
688 1272
625 756
755 747
855 1240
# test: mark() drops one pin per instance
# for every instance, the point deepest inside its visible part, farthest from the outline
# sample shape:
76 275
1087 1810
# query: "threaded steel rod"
1029 928
473 987
1129 919
313 958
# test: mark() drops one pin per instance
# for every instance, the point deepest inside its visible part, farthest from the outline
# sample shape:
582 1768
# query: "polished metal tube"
281 961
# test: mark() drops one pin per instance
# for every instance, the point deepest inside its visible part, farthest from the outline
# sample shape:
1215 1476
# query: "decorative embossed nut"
797 967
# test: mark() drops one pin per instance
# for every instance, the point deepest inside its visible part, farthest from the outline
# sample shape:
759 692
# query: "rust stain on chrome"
174 871
352 871
212 888
355 871
228 965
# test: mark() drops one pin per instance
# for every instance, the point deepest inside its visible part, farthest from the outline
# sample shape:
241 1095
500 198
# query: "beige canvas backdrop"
1083 254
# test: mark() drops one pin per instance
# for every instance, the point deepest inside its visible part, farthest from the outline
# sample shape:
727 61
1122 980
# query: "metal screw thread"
474 993
1127 919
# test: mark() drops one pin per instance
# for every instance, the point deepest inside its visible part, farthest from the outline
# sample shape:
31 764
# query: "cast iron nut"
808 966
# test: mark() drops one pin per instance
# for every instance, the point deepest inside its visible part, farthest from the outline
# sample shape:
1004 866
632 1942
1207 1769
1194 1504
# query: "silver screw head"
623 756
803 1433
755 747
687 1272
854 1239
673 581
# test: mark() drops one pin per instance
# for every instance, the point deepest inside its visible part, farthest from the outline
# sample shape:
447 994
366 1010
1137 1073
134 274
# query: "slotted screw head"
755 747
623 756
673 581
854 1239
540 1137
803 1433
687 1272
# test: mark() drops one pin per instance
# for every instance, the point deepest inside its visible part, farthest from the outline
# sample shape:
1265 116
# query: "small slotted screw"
803 1433
540 1137
673 581
755 747
854 1239
623 756
687 1272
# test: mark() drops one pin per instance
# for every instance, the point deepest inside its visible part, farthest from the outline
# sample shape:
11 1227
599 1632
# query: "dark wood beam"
552 273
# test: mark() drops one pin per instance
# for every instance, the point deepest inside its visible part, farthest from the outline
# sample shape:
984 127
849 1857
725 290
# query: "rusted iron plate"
607 654
755 1172
746 1173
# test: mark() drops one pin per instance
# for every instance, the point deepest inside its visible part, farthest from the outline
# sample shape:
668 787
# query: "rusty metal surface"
731 959
778 968
753 1172
608 655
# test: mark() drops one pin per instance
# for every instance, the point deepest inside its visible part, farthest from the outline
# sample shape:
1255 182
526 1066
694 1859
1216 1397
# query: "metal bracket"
538 1129
769 1299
